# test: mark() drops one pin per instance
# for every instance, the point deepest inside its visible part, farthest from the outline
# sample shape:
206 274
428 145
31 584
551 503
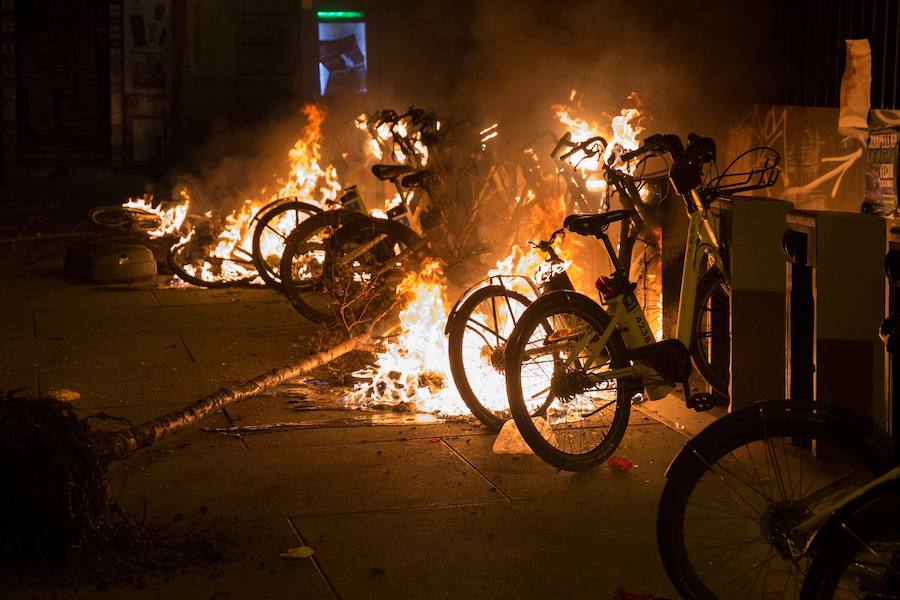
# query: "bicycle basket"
754 169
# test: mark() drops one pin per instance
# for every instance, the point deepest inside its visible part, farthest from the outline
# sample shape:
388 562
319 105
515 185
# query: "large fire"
307 179
413 370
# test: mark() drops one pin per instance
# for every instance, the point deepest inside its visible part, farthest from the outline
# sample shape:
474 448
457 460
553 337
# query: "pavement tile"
181 296
257 573
17 324
235 316
121 370
310 480
360 432
538 549
239 355
18 362
672 411
650 446
93 298
321 420
17 290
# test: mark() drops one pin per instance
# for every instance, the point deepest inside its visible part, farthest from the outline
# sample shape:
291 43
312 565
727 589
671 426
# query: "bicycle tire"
493 419
179 267
365 262
264 219
711 293
306 294
124 217
846 543
566 302
837 427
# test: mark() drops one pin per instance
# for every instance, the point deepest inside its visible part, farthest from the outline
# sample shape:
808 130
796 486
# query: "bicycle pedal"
701 401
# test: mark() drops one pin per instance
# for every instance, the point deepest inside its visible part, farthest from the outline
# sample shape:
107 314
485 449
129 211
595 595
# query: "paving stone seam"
186 349
315 561
295 448
416 508
474 468
231 422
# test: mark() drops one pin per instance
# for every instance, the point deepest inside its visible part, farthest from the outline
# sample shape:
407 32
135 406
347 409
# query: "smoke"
235 162
691 63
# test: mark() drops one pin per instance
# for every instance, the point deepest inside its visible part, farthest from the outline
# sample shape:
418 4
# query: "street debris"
298 552
64 395
620 463
509 440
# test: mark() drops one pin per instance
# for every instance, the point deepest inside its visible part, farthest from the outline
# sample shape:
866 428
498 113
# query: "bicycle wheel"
124 217
273 225
477 339
302 264
194 261
735 492
364 263
711 335
550 360
859 549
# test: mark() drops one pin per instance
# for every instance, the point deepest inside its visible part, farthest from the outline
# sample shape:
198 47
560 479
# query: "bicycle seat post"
613 256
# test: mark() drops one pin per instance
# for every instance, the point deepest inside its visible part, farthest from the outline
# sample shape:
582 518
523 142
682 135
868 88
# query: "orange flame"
415 367
308 180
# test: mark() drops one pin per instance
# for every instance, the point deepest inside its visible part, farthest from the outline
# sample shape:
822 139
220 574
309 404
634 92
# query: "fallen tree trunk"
122 443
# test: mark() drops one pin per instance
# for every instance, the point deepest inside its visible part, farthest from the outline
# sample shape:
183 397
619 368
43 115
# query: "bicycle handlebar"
547 245
587 146
564 141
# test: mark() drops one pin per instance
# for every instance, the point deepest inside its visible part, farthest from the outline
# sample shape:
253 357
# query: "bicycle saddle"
594 224
416 178
391 172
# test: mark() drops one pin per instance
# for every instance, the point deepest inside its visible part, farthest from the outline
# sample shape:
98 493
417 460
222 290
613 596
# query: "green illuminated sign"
335 15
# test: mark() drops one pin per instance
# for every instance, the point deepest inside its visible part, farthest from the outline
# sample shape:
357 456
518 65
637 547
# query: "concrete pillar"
753 227
850 305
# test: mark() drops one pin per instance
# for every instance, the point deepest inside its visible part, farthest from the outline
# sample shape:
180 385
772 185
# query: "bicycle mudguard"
847 422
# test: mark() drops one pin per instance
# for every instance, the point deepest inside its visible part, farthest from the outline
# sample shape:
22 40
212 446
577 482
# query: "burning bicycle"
345 266
594 360
480 323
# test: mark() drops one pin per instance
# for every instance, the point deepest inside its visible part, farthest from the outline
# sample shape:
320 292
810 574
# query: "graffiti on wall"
822 168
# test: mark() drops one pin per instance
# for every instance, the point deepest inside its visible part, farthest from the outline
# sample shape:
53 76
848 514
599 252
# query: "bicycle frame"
702 244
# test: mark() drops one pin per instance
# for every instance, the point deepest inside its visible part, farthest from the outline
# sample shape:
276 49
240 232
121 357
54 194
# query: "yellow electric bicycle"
585 362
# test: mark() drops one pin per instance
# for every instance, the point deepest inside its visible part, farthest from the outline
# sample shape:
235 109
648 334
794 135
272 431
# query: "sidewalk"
394 506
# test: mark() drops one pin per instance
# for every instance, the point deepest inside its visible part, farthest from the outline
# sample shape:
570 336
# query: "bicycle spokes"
560 367
740 525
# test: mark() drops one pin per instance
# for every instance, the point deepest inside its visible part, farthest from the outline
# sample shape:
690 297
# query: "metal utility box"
850 296
753 228
110 262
